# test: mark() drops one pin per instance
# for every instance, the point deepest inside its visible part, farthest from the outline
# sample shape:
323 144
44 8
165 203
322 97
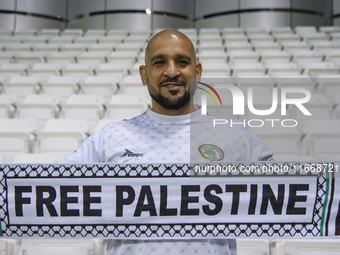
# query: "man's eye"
183 62
160 62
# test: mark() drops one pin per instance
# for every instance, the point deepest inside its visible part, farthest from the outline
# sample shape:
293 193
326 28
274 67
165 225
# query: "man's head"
170 63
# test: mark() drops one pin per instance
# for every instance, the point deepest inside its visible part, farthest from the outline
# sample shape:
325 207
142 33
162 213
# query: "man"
162 135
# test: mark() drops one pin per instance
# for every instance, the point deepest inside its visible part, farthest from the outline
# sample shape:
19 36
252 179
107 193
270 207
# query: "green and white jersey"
155 138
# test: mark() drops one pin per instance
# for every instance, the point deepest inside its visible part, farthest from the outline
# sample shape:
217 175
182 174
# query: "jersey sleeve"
89 152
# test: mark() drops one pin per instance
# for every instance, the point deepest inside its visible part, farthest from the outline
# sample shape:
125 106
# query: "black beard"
168 103
172 104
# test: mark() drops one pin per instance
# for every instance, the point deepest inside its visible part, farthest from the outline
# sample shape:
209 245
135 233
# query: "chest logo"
211 152
129 154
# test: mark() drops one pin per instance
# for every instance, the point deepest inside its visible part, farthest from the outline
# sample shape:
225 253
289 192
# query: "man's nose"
171 70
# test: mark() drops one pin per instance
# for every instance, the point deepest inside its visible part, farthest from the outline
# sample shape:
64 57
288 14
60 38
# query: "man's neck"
189 108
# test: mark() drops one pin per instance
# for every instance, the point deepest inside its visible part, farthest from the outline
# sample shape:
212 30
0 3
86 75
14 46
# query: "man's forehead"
169 42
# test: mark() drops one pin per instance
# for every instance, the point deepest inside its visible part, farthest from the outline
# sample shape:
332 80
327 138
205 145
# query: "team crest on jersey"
211 152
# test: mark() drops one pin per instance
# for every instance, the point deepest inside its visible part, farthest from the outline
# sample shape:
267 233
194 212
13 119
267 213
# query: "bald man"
162 135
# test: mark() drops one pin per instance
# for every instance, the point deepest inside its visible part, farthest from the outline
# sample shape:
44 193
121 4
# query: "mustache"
172 80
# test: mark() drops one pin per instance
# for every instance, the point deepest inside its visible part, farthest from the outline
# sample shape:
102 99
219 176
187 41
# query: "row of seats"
97 247
318 139
115 83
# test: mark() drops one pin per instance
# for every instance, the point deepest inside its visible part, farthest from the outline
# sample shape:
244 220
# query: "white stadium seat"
49 31
45 70
253 246
92 57
61 85
321 138
329 84
100 85
62 58
114 69
30 58
22 86
285 68
39 107
72 31
243 57
308 247
254 68
79 70
274 56
74 47
315 69
12 69
16 136
62 136
7 106
38 158
126 106
213 56
87 107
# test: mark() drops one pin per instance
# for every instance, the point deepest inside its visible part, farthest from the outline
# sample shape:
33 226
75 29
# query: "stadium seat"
88 107
325 46
107 48
188 31
62 136
281 30
62 39
306 56
97 32
100 85
113 39
46 48
131 46
134 69
18 47
232 31
122 57
39 107
256 30
237 46
30 58
266 46
286 37
45 70
234 38
16 136
94 58
216 56
208 31
126 106
210 45
269 57
13 69
61 85
333 56
315 69
38 158
253 246
282 69
319 106
247 69
7 106
7 57
308 247
62 58
115 69
130 81
216 68
281 140
321 139
295 46
79 70
89 39
305 30
329 85
136 38
243 57
116 32
35 39
336 108
72 31
291 80
49 31
74 47
261 84
22 86
260 38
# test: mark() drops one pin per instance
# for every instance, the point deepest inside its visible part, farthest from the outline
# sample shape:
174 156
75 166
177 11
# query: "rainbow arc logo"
209 93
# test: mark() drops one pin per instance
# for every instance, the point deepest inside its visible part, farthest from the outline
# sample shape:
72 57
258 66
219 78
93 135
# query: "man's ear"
142 73
198 70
